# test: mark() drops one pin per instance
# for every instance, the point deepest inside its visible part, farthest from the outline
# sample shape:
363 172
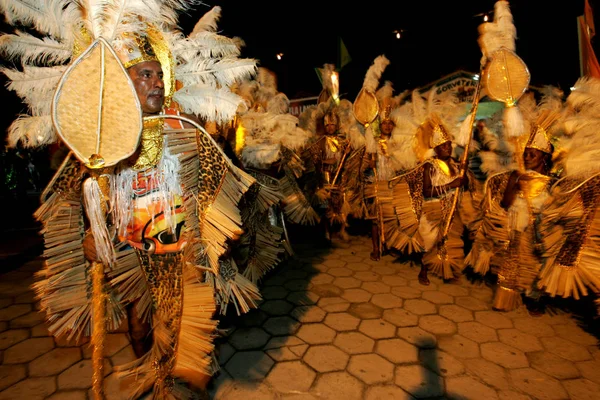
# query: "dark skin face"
443 151
534 159
330 129
386 127
147 79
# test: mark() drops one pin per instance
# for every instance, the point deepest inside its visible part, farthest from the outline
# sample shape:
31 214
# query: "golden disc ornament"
365 107
506 77
96 110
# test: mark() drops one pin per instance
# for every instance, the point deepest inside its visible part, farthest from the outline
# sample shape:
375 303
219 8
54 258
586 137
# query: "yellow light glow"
240 138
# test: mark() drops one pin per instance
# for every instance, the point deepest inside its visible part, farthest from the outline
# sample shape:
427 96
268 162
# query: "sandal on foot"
375 256
424 280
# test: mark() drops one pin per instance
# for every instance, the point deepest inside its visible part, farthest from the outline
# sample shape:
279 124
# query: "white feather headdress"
206 64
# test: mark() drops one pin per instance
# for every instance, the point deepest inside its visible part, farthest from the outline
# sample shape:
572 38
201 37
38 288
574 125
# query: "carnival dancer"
158 223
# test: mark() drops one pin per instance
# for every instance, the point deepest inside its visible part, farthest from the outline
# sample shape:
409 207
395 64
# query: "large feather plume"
374 73
500 33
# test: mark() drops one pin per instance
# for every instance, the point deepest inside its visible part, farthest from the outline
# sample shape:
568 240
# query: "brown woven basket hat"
96 110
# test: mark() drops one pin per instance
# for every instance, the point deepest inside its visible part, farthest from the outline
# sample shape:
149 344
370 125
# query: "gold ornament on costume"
539 140
506 77
151 146
365 107
431 134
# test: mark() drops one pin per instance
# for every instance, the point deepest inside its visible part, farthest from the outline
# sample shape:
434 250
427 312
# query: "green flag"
343 55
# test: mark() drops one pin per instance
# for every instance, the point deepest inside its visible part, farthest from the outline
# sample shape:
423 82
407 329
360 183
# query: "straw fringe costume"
170 209
267 140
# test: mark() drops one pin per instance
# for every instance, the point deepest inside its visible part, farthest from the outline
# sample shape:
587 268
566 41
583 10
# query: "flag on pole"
343 55
589 65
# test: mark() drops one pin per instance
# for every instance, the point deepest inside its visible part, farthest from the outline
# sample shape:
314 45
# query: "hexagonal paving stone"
279 377
582 389
321 279
493 319
274 292
371 368
400 317
397 351
406 292
338 272
365 310
32 388
477 332
292 274
302 298
433 285
418 337
305 314
79 375
326 358
437 325
334 304
419 381
231 390
465 387
590 370
276 307
383 270
28 320
281 341
471 303
454 290
366 276
299 350
456 313
279 326
338 385
386 300
354 342
334 263
376 287
566 349
573 333
316 333
552 365
28 350
11 337
347 282
419 307
327 290
5 302
533 327
394 280
441 363
249 365
249 338
459 346
356 295
14 311
536 384
483 293
377 328
11 374
55 361
357 266
341 321
488 372
438 297
504 355
520 340
387 392
511 395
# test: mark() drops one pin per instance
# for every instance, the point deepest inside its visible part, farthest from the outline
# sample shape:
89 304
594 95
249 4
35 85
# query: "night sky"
438 38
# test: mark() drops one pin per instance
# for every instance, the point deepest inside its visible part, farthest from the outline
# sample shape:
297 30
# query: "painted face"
444 150
386 127
147 79
533 159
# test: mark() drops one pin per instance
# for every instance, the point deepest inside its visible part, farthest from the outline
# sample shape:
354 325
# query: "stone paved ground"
334 325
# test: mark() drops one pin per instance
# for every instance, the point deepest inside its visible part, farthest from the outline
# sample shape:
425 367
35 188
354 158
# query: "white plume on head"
499 33
374 73
206 64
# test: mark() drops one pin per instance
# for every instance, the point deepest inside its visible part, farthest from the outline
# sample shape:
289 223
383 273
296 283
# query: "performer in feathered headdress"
373 108
158 222
336 132
268 141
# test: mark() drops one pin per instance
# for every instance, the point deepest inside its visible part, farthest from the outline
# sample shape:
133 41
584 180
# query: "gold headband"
539 140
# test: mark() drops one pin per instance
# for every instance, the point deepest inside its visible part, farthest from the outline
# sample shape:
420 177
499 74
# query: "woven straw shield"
506 77
96 110
365 107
